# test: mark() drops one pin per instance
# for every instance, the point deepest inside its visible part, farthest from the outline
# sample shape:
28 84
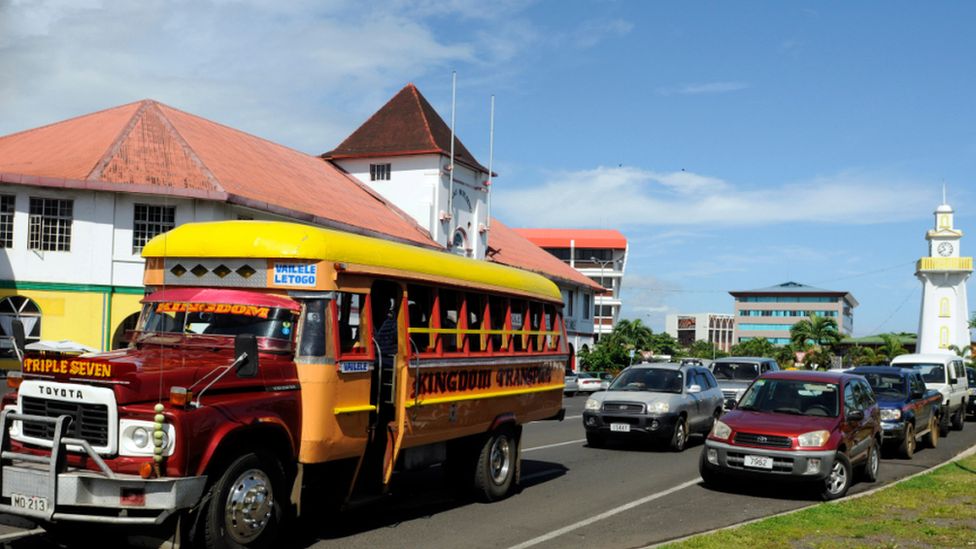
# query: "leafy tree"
820 330
965 353
704 349
759 346
606 355
818 359
785 355
663 344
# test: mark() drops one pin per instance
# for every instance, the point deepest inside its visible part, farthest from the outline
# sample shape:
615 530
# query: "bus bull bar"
37 486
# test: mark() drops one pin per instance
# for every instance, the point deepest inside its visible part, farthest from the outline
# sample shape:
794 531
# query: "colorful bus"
270 354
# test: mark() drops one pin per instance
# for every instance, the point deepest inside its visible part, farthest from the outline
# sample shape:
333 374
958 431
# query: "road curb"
961 455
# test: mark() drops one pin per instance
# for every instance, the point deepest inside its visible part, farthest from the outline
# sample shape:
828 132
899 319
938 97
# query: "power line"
910 294
858 275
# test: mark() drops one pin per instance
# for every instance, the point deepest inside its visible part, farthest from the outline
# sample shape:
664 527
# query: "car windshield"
788 396
740 371
971 374
648 379
218 319
887 384
931 373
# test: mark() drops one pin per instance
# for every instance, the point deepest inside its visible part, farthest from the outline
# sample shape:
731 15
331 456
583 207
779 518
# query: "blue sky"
737 145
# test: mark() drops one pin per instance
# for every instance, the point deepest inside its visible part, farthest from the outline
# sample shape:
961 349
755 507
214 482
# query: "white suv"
947 374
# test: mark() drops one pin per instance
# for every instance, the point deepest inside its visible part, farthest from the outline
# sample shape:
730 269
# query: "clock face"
945 248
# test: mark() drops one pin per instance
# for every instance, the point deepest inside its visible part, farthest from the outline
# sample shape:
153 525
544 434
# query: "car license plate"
30 503
760 462
620 427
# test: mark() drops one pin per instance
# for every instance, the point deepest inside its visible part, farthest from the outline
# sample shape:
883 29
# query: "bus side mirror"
247 345
19 338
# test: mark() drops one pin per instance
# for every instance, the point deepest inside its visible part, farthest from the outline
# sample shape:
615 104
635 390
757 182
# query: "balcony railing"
945 264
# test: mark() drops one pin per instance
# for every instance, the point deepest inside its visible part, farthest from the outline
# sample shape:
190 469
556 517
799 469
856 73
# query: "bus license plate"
620 427
760 462
30 503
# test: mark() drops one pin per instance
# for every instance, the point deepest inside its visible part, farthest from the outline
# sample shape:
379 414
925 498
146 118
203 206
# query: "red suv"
798 425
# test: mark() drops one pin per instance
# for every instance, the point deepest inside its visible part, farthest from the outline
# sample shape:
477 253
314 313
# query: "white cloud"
630 196
301 73
703 88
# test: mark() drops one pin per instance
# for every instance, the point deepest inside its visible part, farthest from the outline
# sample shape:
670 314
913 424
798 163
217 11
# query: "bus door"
385 301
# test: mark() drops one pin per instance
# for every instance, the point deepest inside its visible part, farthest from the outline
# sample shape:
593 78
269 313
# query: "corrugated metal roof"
159 149
516 251
581 238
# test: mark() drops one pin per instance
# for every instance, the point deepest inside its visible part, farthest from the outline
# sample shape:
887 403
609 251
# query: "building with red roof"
79 198
599 254
403 152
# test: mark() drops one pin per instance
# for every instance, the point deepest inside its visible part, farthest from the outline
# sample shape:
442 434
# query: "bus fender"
503 419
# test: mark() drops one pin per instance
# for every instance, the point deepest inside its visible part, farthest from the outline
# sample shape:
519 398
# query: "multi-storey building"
600 254
771 312
714 328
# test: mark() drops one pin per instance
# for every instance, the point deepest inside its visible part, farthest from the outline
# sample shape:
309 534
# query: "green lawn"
937 509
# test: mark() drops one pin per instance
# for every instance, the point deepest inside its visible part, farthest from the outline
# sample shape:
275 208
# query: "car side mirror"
730 404
953 380
694 389
917 394
246 345
855 415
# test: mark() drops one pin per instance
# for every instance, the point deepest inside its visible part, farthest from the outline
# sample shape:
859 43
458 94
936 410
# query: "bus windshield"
277 325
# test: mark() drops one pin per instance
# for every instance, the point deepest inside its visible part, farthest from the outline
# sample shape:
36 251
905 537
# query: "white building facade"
715 328
944 316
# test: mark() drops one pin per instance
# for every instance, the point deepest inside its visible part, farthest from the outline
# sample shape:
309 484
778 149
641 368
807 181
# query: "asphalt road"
572 496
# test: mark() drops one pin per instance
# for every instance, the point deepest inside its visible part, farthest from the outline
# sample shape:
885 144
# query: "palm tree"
633 334
890 347
821 330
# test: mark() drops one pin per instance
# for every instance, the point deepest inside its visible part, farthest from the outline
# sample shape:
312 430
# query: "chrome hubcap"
679 435
837 479
249 505
911 439
500 459
874 461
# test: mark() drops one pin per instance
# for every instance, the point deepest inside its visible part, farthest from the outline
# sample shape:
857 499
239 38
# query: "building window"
7 220
379 172
150 220
49 225
944 222
944 337
944 307
570 298
20 307
586 305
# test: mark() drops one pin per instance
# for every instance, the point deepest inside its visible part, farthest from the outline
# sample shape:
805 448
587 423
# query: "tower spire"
943 192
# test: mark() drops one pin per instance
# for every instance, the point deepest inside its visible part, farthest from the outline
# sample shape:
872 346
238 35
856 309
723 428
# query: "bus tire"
246 505
497 465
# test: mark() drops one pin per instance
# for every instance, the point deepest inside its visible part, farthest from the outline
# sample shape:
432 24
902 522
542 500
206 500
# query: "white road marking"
548 420
573 417
554 445
606 514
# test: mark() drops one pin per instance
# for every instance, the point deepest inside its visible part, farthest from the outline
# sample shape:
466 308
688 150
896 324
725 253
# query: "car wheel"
837 483
907 448
710 477
246 505
932 439
497 463
680 436
958 419
595 440
711 423
872 463
944 423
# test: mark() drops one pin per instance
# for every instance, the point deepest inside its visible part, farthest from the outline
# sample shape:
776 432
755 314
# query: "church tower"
944 318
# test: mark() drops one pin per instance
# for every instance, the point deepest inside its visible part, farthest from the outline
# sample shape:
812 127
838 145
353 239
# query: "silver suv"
662 401
735 374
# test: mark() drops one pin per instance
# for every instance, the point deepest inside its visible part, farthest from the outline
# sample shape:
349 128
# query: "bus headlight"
135 438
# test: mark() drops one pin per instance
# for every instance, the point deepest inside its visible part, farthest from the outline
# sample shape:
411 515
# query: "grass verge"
937 509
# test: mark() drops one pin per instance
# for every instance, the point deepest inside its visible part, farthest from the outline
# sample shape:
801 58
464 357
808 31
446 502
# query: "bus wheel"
496 466
246 505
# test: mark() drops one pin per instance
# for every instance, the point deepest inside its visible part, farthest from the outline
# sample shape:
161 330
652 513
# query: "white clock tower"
944 318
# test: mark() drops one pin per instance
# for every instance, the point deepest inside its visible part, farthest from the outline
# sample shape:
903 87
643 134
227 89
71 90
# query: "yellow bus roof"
283 240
